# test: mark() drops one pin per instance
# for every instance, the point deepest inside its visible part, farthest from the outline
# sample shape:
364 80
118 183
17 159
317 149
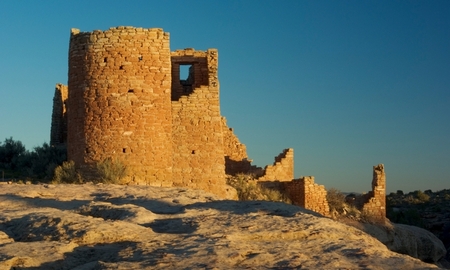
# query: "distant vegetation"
49 164
40 163
414 208
426 209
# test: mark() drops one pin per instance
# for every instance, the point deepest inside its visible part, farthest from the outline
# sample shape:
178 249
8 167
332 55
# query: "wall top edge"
76 31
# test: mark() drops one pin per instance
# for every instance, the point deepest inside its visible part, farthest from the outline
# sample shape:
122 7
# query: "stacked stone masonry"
126 100
374 203
58 132
282 169
119 101
304 192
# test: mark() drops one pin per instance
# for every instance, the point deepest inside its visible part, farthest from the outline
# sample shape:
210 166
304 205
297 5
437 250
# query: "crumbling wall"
119 102
374 204
305 193
128 101
58 132
198 158
282 169
236 159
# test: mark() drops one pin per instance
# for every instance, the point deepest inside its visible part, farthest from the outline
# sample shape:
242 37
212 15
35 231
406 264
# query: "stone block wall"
305 193
126 100
374 203
282 169
236 159
58 132
198 158
203 65
119 101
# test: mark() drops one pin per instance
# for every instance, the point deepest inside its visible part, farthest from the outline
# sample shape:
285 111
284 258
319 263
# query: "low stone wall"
305 193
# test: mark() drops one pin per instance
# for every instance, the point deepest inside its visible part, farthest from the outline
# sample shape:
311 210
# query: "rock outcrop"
411 240
141 227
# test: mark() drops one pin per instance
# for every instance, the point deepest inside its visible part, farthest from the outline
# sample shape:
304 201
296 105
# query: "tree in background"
11 153
39 163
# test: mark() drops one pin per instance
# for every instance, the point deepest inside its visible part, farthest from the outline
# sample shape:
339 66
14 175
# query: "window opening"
184 72
186 77
131 91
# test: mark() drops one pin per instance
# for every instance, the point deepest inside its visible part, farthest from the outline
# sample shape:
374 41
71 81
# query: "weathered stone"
126 101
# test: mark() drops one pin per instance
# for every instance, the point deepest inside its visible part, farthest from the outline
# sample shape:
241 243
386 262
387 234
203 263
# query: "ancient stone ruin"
374 202
127 99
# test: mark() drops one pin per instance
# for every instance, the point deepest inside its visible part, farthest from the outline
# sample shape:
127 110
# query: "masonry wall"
58 132
375 201
236 158
282 169
305 193
119 102
198 157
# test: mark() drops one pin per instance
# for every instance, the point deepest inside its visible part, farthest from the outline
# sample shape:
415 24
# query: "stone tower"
126 100
119 103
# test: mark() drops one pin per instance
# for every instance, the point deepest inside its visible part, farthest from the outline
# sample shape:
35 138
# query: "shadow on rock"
246 207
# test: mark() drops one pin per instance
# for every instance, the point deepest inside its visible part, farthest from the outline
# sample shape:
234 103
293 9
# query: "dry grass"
249 189
66 173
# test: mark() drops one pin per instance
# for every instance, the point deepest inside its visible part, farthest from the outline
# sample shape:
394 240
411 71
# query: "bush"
44 159
336 200
245 186
422 197
248 189
111 171
66 173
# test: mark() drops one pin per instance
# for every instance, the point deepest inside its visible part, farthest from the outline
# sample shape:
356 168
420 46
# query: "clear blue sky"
347 84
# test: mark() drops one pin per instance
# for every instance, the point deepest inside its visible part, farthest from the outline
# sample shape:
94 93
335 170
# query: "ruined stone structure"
58 132
304 192
127 100
374 202
282 169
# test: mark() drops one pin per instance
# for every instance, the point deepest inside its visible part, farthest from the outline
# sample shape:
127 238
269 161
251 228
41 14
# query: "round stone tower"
119 103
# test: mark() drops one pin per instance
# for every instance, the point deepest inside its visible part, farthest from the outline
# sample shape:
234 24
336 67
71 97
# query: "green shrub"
66 173
111 171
